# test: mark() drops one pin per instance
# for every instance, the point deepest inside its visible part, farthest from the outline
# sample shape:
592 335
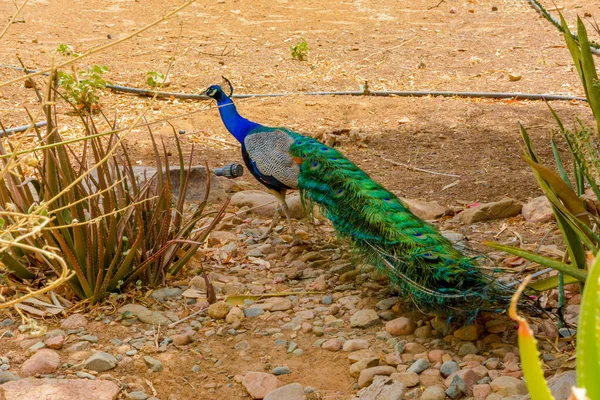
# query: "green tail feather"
418 259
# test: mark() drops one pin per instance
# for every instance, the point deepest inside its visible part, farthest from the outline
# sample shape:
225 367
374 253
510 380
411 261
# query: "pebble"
218 310
85 375
359 366
480 392
74 321
364 319
419 366
430 377
182 339
386 304
293 391
100 362
366 375
496 325
259 384
410 379
45 361
154 364
327 300
7 376
90 338
448 368
400 326
433 393
55 343
468 333
137 395
253 312
160 294
234 315
467 348
508 386
355 344
282 370
332 344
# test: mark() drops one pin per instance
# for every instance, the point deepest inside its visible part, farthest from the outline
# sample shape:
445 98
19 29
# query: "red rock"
259 384
480 392
430 377
508 386
59 389
436 356
74 321
55 342
182 339
45 361
332 345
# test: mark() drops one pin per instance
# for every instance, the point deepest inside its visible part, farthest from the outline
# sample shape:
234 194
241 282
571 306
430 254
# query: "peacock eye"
324 148
299 142
333 158
418 234
339 192
315 165
386 199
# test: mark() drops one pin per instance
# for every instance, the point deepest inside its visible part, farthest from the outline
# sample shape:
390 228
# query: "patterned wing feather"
269 151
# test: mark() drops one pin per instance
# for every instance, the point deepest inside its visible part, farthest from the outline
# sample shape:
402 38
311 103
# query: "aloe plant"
110 229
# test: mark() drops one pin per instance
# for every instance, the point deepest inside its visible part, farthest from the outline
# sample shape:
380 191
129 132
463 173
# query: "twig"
437 5
416 168
171 325
13 18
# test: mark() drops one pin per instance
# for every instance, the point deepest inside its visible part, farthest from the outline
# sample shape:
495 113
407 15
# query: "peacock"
421 263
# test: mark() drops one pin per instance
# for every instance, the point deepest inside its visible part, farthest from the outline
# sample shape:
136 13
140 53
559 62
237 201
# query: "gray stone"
90 338
6 376
386 304
253 312
6 323
467 348
293 391
137 395
153 318
448 368
364 318
160 294
418 366
154 364
100 362
84 375
282 370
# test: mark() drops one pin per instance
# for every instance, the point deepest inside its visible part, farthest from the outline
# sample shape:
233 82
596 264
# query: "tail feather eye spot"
324 148
418 234
315 165
339 192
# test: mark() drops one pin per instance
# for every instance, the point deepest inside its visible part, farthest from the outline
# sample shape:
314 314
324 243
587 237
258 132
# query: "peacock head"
217 93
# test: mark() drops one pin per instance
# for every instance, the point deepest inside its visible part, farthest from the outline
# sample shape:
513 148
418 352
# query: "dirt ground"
393 45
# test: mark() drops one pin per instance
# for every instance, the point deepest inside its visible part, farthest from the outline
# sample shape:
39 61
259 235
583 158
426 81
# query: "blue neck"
237 125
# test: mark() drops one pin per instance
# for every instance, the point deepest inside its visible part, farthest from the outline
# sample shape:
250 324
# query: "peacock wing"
269 151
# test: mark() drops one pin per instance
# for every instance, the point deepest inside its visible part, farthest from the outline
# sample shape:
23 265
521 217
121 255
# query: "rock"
424 209
508 386
430 377
480 392
504 208
423 332
45 361
262 203
366 376
79 346
55 342
332 344
182 339
433 393
355 344
435 356
364 318
448 368
359 366
253 312
386 304
496 326
559 385
160 294
408 379
278 304
154 364
137 395
463 379
218 310
513 77
393 358
59 389
234 315
469 333
259 384
383 388
538 210
100 362
467 348
7 376
400 326
293 391
282 370
74 321
153 317
418 366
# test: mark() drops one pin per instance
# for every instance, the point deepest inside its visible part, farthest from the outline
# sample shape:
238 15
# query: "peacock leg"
273 223
280 196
